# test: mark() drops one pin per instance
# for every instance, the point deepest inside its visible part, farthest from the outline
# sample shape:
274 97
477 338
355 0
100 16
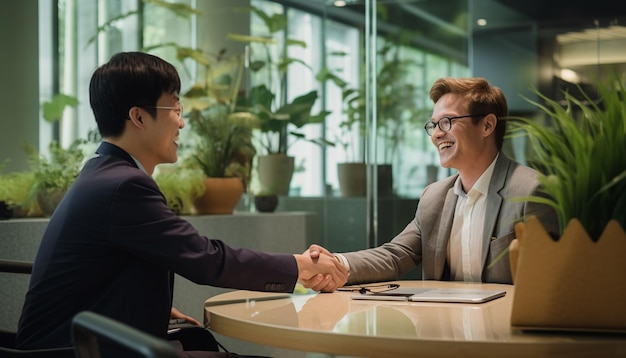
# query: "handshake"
320 270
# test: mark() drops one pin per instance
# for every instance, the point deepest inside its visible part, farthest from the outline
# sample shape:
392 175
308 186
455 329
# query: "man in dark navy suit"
112 246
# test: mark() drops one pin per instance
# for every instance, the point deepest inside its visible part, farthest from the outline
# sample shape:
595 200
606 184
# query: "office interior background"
53 46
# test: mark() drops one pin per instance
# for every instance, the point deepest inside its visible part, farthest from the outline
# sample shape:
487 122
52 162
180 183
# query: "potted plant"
266 99
223 150
266 202
181 185
221 138
580 151
14 193
53 175
279 119
396 111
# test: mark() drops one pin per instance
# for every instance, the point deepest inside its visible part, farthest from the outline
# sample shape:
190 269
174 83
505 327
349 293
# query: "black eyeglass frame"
369 288
429 127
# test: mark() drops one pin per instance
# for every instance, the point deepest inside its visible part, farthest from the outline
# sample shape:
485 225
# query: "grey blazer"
425 239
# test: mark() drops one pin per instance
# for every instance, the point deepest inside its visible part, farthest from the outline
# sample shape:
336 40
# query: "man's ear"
489 123
134 115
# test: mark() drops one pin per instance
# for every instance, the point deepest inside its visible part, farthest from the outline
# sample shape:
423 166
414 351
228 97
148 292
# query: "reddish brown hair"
482 98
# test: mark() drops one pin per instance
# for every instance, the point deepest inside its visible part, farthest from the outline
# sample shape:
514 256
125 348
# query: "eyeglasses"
369 288
445 123
178 109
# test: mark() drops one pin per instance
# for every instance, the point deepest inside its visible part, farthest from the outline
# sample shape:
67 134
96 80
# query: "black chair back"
7 339
94 335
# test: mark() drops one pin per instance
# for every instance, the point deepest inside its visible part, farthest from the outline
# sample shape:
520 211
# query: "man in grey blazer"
464 222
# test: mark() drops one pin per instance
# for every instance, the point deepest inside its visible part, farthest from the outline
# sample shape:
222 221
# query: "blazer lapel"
445 228
494 200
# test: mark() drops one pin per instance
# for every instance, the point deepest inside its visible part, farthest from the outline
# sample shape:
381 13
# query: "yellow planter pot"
220 197
570 284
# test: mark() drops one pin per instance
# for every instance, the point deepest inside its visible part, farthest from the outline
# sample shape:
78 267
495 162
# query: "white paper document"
460 295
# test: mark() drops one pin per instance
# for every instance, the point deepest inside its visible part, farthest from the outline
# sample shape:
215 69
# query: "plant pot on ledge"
5 211
48 199
275 172
220 197
571 284
266 203
353 179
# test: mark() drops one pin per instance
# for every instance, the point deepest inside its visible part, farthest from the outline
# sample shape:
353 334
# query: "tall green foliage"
582 156
267 99
397 100
223 142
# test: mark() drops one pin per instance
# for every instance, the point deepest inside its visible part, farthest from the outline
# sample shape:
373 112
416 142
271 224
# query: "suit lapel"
445 228
494 200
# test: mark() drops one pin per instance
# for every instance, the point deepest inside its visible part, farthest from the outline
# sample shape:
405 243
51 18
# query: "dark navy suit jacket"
112 246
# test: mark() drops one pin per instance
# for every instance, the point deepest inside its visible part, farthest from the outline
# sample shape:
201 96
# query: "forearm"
384 263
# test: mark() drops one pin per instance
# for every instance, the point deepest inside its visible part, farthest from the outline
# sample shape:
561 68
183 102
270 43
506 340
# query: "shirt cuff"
343 261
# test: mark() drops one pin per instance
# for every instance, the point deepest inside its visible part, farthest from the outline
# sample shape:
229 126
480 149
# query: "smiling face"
160 138
464 146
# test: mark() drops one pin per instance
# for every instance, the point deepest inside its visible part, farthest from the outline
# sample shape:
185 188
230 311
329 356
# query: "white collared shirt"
466 239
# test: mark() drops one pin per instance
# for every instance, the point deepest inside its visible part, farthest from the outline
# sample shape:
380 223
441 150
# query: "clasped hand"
320 270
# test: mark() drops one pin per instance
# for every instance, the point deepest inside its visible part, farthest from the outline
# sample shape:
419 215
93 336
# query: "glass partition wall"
404 46
371 63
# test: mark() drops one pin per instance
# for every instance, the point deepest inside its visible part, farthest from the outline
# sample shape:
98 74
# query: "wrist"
300 265
342 259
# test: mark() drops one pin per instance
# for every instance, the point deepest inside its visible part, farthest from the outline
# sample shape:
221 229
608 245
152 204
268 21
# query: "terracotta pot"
220 197
570 284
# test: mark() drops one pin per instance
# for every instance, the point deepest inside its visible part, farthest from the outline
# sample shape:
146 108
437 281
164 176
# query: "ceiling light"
570 76
481 22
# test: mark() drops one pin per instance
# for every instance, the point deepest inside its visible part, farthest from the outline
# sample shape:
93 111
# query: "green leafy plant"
221 138
581 153
268 99
396 97
181 186
53 109
222 144
182 10
15 190
53 175
60 169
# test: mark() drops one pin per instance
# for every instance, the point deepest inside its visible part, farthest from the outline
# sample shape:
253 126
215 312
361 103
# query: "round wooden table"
333 323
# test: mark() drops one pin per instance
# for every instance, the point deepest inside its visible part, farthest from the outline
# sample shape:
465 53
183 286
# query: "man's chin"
444 163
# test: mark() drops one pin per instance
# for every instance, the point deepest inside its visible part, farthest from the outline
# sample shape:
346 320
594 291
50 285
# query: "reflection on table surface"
391 326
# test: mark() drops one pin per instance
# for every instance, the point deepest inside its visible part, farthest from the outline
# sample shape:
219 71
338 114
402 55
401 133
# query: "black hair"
129 79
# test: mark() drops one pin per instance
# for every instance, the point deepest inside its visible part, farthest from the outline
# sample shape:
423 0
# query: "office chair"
91 331
7 339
